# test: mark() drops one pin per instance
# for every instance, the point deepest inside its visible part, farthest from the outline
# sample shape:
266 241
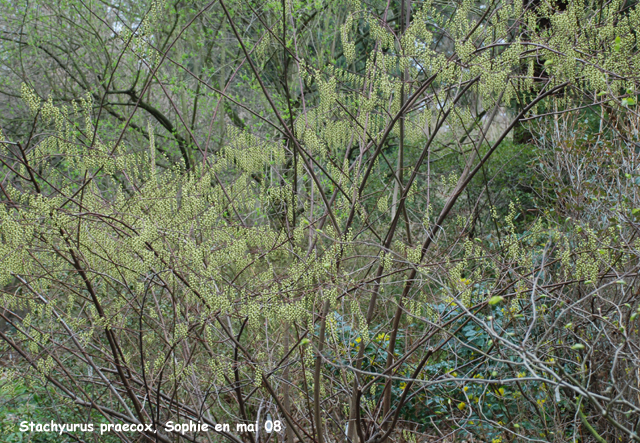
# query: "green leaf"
495 300
577 347
617 43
